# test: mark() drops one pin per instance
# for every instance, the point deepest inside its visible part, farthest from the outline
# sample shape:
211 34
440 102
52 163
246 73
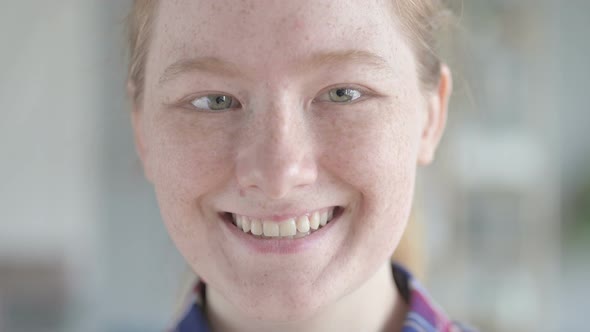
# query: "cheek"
189 155
190 158
375 155
375 150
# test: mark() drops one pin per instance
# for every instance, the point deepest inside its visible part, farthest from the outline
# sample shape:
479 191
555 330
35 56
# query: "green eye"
215 102
343 95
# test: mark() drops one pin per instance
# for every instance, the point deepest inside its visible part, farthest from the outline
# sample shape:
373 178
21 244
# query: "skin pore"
284 144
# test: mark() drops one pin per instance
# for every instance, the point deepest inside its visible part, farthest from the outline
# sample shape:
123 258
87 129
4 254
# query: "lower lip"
281 245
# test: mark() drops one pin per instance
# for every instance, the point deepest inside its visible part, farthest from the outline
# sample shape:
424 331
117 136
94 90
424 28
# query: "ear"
137 124
434 125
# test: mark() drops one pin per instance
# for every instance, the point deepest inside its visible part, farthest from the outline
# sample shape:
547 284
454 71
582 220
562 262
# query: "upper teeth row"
293 227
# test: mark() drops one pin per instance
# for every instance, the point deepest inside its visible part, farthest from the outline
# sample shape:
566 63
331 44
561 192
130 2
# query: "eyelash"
362 94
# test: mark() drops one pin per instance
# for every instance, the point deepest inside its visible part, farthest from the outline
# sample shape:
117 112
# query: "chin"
283 307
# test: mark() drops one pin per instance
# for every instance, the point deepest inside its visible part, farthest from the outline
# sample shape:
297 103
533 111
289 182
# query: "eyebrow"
204 64
359 57
218 66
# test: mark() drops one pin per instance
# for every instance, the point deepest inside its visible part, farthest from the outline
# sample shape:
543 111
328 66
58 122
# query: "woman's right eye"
215 102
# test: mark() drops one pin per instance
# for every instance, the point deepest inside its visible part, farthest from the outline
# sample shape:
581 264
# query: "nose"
276 155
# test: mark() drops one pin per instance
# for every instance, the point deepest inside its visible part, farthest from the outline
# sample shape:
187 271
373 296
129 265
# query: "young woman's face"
273 110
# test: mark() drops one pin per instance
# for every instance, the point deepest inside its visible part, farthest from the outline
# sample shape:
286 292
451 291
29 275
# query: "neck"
375 306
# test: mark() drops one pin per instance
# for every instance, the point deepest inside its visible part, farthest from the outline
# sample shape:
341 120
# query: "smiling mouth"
291 228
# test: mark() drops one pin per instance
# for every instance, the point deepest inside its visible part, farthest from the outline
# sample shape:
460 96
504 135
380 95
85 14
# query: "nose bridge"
278 156
281 124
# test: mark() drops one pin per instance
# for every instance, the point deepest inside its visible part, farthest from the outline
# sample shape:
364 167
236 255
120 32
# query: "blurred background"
505 209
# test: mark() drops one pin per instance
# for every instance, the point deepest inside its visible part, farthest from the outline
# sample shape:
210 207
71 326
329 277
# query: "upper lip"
282 215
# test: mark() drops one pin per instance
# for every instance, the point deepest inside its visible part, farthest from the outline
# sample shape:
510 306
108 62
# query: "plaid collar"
424 314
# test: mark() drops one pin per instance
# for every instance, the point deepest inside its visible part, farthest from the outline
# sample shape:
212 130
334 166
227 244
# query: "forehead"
273 31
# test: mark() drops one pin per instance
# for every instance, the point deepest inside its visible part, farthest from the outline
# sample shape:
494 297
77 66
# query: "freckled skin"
280 149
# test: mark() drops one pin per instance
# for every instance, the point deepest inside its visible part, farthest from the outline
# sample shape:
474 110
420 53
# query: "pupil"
220 99
340 92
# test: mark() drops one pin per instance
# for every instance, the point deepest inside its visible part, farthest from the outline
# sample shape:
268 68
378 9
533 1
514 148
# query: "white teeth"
303 224
299 234
293 228
237 220
324 218
288 228
314 222
245 224
256 227
270 228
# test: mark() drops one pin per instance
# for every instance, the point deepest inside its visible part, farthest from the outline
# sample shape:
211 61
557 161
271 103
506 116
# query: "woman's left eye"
215 102
341 95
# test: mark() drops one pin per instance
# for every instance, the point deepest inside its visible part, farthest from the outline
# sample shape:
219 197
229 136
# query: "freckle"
242 193
298 24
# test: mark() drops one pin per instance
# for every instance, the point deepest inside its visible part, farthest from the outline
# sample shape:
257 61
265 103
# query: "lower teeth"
296 236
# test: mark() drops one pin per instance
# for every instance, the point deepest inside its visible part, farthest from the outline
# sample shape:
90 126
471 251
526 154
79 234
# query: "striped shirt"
424 314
